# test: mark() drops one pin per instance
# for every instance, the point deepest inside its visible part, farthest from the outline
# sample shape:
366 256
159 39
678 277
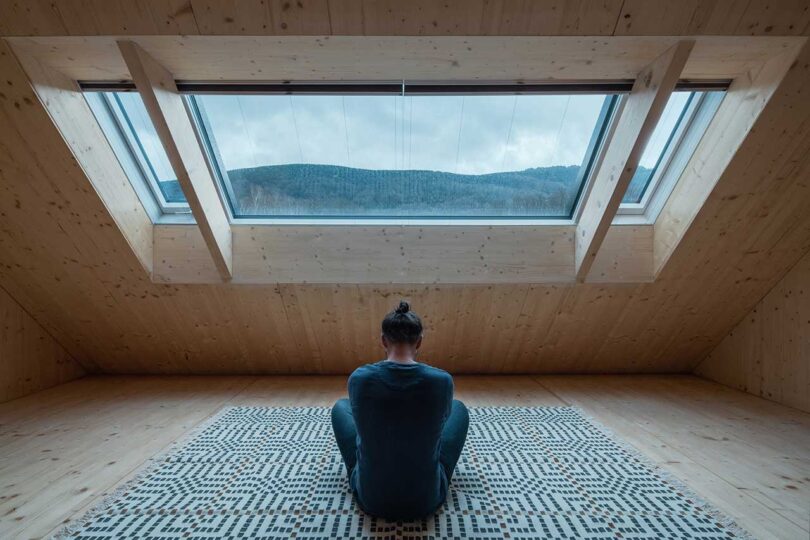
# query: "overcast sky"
472 134
468 135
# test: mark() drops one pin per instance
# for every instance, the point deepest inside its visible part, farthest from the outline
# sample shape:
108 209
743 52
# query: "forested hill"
330 189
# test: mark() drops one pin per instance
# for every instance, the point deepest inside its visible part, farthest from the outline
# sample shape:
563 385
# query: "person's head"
402 332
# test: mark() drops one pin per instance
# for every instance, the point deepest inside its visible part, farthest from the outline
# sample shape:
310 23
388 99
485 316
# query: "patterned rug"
275 473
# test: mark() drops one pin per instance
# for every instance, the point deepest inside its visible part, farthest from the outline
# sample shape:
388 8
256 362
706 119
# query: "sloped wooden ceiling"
405 18
64 260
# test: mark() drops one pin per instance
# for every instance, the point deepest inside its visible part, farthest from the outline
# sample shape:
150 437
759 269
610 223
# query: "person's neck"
405 359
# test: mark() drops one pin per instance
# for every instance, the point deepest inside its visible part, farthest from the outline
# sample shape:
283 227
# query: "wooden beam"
176 132
70 113
745 100
359 58
638 119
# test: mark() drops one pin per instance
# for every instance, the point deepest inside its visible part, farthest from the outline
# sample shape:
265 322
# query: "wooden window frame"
178 250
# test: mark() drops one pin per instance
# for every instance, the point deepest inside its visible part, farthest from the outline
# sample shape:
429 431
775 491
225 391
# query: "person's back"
400 411
400 432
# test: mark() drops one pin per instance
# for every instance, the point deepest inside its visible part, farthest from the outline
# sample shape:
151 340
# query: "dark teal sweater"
400 411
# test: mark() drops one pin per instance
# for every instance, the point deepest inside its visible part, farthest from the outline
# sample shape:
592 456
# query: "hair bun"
403 307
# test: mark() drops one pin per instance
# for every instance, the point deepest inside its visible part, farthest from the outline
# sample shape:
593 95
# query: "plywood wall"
63 257
411 17
30 359
768 352
66 261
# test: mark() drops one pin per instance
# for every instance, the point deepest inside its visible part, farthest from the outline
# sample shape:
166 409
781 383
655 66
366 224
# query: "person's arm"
448 405
354 379
358 380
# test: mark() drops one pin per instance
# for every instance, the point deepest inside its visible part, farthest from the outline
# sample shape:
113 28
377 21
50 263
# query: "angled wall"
768 352
30 359
64 258
80 279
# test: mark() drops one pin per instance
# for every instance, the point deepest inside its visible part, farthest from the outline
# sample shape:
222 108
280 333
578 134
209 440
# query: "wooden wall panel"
738 112
768 352
625 256
75 121
376 254
79 277
181 256
318 254
414 17
56 232
372 58
393 254
718 17
30 359
76 274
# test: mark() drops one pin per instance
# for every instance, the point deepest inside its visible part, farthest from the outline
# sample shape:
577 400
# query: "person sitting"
400 432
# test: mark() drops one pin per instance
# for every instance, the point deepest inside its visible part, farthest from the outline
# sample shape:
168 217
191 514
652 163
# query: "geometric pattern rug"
525 472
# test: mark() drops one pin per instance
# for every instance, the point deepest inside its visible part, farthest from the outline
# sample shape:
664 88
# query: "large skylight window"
653 152
432 153
126 123
674 139
395 156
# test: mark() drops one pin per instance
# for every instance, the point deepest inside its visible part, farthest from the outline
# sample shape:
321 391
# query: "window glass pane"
403 156
144 142
663 135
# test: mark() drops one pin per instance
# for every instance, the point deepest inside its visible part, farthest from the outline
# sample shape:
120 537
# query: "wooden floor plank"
748 456
63 448
98 443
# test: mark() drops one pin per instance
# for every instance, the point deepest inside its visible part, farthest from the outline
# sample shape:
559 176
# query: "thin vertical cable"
346 131
297 134
460 126
247 131
396 129
410 130
559 129
402 125
509 133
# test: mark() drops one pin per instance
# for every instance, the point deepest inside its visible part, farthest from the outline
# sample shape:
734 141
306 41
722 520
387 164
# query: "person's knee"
461 410
460 405
341 407
341 403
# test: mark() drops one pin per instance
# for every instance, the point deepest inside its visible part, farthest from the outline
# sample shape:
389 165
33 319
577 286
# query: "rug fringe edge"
700 502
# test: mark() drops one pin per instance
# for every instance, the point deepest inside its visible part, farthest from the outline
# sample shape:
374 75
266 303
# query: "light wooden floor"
61 449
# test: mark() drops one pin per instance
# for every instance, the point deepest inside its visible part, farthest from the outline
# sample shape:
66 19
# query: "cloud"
464 134
461 134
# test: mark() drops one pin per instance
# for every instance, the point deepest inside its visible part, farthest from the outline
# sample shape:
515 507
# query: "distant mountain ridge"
307 189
